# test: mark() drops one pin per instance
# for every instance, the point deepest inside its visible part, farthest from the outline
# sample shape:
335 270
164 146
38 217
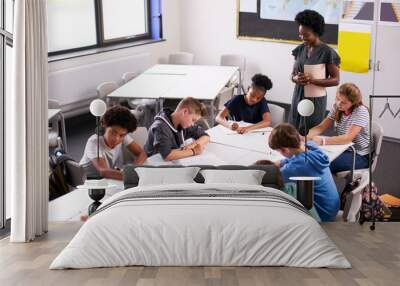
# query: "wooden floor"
375 257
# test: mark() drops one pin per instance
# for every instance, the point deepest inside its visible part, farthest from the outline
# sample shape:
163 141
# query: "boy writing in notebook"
286 139
251 107
171 129
116 123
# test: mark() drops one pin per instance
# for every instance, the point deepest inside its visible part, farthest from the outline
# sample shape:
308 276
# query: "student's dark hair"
284 135
311 19
353 94
119 116
261 81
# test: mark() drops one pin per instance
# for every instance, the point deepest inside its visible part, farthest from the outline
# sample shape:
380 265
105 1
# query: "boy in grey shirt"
170 130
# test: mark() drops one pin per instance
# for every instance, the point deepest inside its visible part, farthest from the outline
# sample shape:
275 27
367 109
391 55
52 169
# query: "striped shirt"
359 117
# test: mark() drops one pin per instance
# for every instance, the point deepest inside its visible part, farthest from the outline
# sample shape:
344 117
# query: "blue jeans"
345 162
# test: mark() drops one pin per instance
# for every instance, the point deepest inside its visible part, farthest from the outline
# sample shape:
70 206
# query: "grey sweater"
163 137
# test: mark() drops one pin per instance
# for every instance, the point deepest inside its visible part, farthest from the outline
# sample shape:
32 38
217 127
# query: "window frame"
6 39
101 42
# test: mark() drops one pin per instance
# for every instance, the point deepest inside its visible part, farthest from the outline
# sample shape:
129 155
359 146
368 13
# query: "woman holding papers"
316 67
250 108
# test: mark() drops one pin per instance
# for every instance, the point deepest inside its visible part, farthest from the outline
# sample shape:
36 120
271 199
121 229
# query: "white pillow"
248 177
164 176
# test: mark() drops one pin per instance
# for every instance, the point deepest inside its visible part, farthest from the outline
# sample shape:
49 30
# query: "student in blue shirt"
251 107
286 139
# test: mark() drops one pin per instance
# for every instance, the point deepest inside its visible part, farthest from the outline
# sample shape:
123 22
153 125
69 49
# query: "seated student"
251 107
351 118
117 122
286 139
171 129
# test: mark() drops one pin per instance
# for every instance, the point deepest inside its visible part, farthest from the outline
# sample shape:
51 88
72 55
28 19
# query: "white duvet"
185 231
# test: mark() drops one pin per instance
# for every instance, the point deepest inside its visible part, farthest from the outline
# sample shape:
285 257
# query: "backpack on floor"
371 204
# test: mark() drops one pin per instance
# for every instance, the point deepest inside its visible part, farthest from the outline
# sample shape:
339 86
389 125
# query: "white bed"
221 225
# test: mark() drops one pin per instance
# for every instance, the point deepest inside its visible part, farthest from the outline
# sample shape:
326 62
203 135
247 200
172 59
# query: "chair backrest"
106 88
277 114
53 104
224 96
377 137
127 76
140 136
235 61
181 58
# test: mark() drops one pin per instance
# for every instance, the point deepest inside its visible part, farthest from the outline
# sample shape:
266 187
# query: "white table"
228 148
176 82
71 206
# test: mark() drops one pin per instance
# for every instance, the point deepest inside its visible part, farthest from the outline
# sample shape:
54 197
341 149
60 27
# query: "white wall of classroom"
207 28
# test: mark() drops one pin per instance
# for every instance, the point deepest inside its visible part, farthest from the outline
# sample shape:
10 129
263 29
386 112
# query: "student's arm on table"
139 153
176 154
340 139
262 124
105 171
221 119
319 129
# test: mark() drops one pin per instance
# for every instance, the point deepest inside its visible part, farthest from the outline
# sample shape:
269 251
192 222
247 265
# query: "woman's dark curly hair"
311 19
261 81
119 116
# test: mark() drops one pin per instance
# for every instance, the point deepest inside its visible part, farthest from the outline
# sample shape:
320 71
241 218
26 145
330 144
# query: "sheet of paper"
243 124
248 6
316 72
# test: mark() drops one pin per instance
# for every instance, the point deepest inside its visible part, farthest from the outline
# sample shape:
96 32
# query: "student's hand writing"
234 126
198 149
242 130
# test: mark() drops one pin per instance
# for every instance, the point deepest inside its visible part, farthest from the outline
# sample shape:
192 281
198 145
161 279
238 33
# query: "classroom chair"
224 95
377 137
181 58
139 137
277 114
127 76
236 60
105 89
354 199
138 104
54 131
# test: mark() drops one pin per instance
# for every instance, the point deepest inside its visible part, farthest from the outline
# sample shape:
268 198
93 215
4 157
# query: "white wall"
159 51
209 29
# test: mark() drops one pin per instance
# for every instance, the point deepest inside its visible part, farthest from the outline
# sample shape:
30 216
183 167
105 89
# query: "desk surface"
226 148
177 81
52 112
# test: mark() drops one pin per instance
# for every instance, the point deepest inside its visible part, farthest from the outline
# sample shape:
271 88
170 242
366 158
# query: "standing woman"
312 52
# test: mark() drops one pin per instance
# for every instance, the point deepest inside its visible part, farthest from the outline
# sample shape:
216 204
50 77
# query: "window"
71 24
75 25
6 29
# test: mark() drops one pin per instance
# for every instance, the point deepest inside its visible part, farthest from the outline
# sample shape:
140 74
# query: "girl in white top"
351 119
117 122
